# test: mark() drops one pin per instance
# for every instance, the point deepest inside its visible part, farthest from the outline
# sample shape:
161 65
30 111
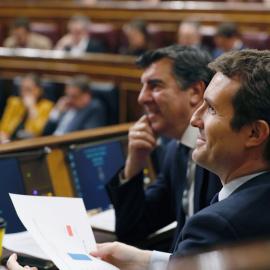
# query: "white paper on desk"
103 221
23 242
60 227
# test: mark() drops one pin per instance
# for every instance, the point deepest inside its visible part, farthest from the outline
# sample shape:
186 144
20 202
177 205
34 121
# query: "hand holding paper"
61 228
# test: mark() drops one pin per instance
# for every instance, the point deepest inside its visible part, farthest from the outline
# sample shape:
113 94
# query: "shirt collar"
229 188
190 136
238 44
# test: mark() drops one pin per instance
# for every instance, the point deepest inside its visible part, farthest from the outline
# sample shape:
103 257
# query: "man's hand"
123 256
12 264
62 105
142 141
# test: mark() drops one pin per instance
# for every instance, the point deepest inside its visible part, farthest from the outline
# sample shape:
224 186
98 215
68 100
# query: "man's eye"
211 109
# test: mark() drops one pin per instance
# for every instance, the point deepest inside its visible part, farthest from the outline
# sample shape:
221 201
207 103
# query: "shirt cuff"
122 179
159 260
54 115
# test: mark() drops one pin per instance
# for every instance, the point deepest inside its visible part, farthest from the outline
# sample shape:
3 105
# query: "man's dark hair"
82 82
227 29
189 64
252 101
22 22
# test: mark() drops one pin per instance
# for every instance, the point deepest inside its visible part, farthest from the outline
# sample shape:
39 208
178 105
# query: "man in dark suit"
79 40
233 142
174 81
227 38
76 110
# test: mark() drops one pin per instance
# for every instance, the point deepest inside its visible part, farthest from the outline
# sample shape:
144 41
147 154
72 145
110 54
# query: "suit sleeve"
96 117
204 231
140 212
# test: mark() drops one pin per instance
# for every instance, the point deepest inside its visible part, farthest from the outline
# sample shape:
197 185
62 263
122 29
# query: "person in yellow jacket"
25 116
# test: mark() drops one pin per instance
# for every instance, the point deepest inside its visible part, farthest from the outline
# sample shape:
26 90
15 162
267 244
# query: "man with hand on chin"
173 83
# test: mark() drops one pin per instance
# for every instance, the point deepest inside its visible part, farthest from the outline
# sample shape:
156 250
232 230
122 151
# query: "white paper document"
23 242
103 221
61 228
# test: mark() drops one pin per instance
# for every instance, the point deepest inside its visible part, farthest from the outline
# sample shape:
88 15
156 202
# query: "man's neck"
248 168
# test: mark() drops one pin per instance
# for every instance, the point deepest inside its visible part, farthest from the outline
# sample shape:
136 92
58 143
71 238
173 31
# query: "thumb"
103 249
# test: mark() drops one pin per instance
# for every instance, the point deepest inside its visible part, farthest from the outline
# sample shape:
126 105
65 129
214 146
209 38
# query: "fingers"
103 250
141 134
12 262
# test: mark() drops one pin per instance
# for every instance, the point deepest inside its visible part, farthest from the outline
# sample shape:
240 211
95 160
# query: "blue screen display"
92 168
11 181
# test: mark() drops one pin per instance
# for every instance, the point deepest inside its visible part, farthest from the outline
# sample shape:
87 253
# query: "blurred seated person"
79 40
227 38
22 37
25 116
76 110
188 34
138 38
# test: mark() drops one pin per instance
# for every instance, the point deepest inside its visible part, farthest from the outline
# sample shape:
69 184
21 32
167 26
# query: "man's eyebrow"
152 81
208 100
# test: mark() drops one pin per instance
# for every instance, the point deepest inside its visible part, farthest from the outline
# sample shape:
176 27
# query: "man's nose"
145 95
196 119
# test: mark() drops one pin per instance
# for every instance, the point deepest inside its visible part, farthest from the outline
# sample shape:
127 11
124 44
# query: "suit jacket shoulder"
242 216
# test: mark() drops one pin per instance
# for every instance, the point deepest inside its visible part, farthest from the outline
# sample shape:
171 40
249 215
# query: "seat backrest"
156 33
256 40
109 94
2 98
1 34
105 33
207 34
50 30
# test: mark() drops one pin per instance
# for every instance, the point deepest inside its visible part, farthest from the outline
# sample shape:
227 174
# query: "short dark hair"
21 22
82 82
252 101
227 29
189 64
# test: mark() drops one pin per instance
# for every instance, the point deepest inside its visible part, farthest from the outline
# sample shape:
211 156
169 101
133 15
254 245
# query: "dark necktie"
215 199
184 154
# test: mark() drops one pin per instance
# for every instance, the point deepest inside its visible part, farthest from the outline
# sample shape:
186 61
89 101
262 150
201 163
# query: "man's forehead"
157 69
220 84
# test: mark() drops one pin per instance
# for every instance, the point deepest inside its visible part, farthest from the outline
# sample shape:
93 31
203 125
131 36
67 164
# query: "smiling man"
173 83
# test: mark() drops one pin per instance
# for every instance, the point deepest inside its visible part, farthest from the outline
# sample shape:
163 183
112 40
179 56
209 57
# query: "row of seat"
114 39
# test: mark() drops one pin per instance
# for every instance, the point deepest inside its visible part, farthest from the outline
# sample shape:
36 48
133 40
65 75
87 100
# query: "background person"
25 116
76 110
22 37
227 38
79 40
138 38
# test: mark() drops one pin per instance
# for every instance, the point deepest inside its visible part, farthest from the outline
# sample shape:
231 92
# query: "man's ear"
259 132
197 92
